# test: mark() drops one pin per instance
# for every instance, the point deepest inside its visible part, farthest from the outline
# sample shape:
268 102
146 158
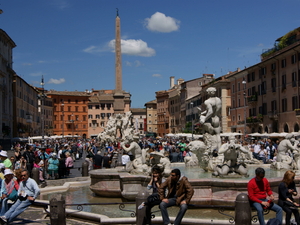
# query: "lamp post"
42 110
63 129
245 120
192 106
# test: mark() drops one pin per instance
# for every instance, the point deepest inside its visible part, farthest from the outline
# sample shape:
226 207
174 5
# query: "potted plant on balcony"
297 111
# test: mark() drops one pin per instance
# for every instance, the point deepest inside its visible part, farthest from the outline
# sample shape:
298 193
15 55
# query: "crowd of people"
55 159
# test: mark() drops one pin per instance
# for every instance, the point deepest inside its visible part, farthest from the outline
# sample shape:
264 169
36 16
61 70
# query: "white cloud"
156 75
128 63
56 81
161 23
136 63
134 47
27 64
37 74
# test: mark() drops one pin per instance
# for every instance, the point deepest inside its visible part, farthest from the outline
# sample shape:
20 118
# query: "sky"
71 42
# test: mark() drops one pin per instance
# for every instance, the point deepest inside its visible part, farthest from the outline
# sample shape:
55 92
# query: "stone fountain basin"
208 191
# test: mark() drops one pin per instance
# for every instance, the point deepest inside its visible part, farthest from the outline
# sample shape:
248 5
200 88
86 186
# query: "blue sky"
70 41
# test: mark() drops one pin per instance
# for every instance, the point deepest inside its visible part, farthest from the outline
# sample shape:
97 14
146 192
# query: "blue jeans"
260 211
16 209
4 206
164 212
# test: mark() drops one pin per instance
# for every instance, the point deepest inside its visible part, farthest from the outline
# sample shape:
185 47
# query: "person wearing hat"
27 193
5 160
9 190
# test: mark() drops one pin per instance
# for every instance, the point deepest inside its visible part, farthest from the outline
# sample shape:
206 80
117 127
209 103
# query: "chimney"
172 81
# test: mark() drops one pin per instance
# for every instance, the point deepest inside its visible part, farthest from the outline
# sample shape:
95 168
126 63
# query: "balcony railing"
273 115
252 98
297 111
254 119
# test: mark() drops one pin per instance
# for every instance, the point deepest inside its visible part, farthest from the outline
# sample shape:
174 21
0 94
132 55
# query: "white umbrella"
282 134
274 134
255 134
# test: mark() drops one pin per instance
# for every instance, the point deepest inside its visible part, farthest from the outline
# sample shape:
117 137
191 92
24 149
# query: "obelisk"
119 103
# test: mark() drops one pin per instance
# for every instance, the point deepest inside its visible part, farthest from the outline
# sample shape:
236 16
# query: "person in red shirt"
258 190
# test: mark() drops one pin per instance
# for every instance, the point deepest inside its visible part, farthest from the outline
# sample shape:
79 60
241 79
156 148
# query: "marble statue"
138 165
231 152
210 119
159 159
286 148
118 127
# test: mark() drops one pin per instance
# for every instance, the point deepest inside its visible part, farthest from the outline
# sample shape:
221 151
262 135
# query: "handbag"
288 204
13 196
154 197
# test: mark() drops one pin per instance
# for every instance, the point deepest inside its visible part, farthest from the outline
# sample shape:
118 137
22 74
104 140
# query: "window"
69 108
294 79
102 115
76 108
263 87
253 76
90 116
283 81
273 68
97 116
295 102
293 59
233 88
90 107
273 106
102 124
284 104
149 122
149 115
283 63
97 106
84 118
83 109
273 84
239 86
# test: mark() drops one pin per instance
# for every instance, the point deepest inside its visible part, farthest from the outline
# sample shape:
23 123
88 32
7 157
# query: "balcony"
273 115
254 119
252 98
297 112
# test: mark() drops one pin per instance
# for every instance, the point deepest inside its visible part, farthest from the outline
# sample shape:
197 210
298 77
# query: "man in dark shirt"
98 160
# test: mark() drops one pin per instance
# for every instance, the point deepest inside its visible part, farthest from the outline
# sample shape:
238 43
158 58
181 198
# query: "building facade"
101 107
151 115
139 120
70 113
272 89
6 80
27 118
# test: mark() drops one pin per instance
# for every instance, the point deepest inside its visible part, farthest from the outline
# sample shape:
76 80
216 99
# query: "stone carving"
159 159
210 120
119 124
230 153
139 163
284 159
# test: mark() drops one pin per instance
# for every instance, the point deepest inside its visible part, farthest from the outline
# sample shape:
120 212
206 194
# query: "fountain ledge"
208 191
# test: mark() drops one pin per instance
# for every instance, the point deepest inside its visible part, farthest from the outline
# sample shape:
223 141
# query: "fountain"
231 162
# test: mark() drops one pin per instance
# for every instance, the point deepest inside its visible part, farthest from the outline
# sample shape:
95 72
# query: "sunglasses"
23 175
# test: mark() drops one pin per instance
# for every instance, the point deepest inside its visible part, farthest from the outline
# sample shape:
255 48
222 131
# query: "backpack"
274 221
